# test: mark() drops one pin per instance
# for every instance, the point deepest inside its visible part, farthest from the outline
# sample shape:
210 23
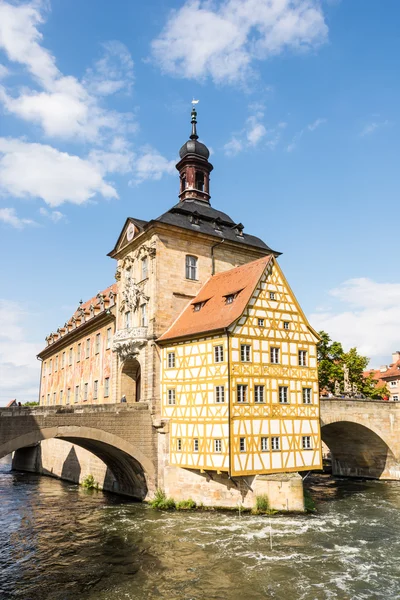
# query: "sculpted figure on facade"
127 342
132 296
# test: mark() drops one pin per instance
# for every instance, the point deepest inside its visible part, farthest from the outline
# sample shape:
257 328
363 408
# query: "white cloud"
222 40
373 126
150 164
233 147
54 176
3 71
253 133
368 318
54 215
297 137
9 216
64 107
113 72
19 369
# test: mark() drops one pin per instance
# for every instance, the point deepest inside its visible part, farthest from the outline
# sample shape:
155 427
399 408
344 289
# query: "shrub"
161 502
309 503
186 504
262 505
89 483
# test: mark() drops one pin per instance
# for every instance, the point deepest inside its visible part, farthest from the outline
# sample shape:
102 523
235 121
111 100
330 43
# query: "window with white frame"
395 398
145 263
283 394
217 445
143 315
179 445
88 348
76 393
78 352
50 366
259 394
264 444
106 387
261 322
42 400
44 369
306 442
63 360
275 443
272 295
95 389
56 364
307 396
85 391
171 360
98 339
127 319
61 396
195 445
302 358
68 395
242 393
393 383
70 356
48 399
242 444
274 355
171 395
191 267
286 324
218 354
245 352
54 397
109 333
219 394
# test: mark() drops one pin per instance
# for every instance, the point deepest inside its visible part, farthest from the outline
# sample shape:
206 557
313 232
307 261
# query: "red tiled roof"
95 300
393 370
216 314
11 403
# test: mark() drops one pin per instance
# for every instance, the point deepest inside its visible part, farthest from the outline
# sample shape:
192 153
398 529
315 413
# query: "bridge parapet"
73 409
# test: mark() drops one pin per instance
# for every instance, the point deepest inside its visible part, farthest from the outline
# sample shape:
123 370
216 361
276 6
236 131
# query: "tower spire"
194 135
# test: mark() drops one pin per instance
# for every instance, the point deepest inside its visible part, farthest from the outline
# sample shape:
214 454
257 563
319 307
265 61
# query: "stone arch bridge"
363 437
122 436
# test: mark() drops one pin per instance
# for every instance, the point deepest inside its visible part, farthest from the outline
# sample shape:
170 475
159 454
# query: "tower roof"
193 146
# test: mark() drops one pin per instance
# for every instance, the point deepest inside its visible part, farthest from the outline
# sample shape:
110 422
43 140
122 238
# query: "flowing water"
60 542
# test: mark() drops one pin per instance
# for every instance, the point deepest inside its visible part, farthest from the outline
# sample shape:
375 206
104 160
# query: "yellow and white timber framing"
246 437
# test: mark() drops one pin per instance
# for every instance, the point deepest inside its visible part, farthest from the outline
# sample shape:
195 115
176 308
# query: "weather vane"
194 102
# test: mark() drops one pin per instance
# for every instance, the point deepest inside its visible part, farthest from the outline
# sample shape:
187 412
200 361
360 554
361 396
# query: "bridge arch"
134 472
358 450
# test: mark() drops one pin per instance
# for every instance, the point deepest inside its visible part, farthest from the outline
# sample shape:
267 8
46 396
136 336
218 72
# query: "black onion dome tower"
194 168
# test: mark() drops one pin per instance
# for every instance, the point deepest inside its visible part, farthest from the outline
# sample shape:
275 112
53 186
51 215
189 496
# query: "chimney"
396 356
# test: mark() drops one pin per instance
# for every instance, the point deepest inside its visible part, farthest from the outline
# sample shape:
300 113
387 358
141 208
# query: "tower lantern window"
200 181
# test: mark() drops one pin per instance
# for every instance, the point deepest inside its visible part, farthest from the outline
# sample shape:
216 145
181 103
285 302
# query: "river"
61 542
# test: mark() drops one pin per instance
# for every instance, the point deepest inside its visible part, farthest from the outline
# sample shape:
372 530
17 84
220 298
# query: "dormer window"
239 230
194 218
198 306
230 298
218 224
200 182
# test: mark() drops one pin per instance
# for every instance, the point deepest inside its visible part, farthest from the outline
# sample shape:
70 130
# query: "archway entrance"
131 380
357 451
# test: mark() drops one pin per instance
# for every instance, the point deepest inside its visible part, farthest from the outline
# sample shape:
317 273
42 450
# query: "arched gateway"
112 433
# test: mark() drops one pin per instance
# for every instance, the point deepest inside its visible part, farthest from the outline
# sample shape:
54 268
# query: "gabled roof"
140 224
215 313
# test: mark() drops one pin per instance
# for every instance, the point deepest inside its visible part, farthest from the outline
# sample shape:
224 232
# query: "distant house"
12 403
389 375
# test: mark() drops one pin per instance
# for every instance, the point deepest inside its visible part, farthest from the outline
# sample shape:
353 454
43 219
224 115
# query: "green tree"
332 359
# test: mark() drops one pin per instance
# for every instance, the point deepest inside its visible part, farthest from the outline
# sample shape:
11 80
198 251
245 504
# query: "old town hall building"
202 325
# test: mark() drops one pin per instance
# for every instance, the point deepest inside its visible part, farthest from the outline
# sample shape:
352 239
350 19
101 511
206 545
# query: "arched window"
191 267
183 183
200 181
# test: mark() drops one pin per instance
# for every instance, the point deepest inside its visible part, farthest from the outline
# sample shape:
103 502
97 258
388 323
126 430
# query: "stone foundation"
284 490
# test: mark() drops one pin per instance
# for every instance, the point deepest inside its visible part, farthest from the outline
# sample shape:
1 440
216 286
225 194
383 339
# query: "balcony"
127 342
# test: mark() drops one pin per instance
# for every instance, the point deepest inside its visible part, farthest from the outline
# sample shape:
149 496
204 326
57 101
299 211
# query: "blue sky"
299 103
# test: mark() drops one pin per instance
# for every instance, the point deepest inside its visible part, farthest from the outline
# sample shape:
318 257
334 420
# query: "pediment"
131 229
